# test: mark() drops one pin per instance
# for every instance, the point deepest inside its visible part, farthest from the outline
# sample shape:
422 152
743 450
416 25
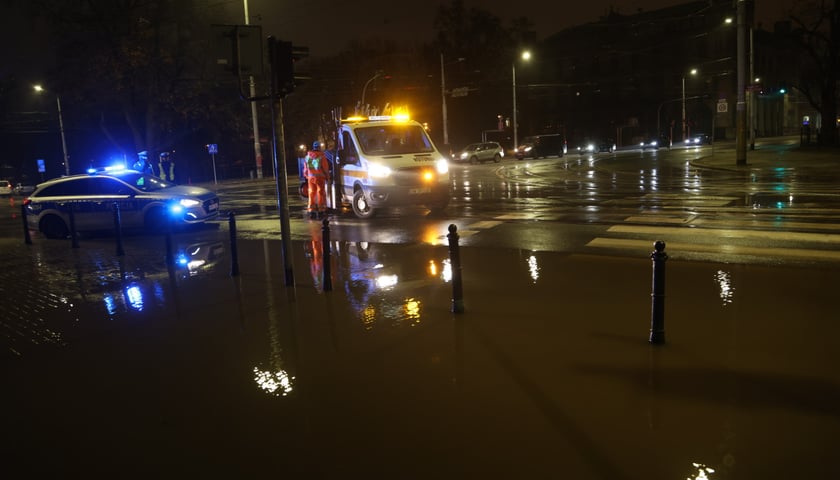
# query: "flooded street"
120 364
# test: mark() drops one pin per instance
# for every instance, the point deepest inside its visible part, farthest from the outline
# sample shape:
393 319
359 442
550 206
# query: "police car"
144 201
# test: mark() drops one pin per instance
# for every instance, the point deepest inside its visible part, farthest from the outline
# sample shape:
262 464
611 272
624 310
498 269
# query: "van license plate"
420 190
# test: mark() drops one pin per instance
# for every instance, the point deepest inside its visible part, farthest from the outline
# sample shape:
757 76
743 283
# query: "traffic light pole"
282 184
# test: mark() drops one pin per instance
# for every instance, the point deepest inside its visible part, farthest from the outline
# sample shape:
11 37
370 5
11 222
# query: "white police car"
144 201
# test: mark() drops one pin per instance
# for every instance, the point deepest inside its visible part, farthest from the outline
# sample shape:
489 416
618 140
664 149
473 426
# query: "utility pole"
741 107
257 150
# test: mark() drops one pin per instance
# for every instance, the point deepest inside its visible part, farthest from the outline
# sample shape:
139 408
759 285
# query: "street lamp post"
684 124
254 123
443 99
39 89
526 55
364 90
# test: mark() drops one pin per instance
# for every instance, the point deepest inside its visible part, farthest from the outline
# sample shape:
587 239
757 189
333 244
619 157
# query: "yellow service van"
389 161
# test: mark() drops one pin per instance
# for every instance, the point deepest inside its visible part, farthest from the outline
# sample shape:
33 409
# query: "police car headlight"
442 166
377 170
189 203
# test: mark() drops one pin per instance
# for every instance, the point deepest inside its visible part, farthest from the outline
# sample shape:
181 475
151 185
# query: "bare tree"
817 33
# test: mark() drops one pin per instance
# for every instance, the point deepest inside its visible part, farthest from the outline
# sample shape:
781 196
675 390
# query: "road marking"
657 219
518 216
681 248
768 223
728 233
485 224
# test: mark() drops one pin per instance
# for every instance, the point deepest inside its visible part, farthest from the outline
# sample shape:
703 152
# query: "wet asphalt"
126 367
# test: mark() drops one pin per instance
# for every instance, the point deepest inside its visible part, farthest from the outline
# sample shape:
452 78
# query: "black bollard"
74 239
234 251
455 262
26 237
118 229
170 257
657 297
325 238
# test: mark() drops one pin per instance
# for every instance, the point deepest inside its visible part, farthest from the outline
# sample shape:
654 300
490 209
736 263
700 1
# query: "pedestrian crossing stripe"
681 248
484 224
728 233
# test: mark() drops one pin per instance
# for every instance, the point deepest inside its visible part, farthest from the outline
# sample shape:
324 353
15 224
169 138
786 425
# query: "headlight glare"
378 170
442 166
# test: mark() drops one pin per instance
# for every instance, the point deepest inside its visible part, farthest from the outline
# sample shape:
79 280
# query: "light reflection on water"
727 290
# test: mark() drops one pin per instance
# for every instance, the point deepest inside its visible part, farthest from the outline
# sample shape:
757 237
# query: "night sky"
326 25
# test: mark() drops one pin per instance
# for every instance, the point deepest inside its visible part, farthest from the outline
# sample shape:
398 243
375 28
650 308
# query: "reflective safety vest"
316 165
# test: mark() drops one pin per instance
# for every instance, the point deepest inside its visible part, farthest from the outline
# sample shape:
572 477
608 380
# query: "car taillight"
26 201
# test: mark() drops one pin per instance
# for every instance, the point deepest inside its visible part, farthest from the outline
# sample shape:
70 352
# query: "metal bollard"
234 251
26 237
455 261
325 238
118 229
74 239
170 257
657 297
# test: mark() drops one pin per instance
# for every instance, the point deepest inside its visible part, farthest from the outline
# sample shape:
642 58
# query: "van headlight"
379 170
442 166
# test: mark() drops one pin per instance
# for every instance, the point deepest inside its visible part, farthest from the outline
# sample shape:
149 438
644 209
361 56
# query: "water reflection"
533 268
702 472
374 283
727 290
278 384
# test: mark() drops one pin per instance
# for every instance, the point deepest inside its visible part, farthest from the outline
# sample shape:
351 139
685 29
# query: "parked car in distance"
23 188
481 152
5 188
537 146
144 201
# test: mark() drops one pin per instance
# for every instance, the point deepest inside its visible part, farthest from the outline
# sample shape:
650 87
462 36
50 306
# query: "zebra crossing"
698 236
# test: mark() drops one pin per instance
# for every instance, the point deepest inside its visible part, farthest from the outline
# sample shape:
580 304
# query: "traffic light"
285 59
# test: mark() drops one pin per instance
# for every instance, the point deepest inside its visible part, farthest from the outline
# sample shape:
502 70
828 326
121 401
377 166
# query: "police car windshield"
144 182
393 139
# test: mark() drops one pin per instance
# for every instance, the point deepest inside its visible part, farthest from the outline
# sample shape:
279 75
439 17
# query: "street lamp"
40 89
526 55
377 75
443 98
684 125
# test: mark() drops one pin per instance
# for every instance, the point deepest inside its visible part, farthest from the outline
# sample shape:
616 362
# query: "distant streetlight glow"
40 89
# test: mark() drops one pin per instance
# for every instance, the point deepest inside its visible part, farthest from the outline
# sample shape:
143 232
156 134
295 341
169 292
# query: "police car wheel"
361 207
53 227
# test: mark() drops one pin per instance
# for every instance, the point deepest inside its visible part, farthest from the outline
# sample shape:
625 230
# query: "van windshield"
393 139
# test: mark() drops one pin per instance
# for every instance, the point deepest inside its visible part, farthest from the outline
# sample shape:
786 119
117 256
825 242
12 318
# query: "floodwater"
122 366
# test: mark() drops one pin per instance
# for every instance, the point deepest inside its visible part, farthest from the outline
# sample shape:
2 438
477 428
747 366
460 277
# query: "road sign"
213 148
460 92
722 106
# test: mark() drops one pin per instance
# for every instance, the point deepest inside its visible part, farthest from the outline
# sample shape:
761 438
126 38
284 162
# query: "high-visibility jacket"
316 165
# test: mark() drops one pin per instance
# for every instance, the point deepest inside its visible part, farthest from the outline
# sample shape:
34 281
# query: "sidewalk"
783 152
129 370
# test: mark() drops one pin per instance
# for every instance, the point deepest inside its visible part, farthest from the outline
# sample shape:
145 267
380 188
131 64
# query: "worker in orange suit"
316 169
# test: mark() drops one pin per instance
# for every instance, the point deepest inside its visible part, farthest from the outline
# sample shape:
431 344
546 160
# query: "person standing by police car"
316 169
